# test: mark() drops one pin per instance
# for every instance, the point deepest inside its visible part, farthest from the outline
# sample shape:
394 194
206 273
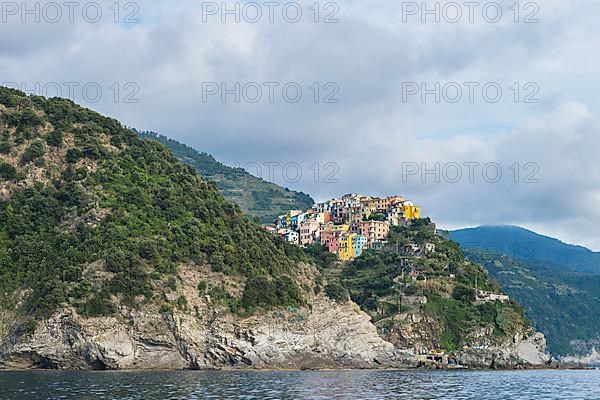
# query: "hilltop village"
346 226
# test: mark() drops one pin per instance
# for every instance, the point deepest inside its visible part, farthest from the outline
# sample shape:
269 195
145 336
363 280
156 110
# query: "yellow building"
346 247
340 228
411 212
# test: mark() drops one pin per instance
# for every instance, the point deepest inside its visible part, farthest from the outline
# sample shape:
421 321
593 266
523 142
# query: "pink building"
331 240
375 231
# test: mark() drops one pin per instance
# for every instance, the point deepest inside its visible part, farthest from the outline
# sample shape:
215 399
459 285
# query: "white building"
291 236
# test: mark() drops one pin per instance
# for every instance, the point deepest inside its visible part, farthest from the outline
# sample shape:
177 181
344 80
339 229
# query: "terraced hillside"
256 197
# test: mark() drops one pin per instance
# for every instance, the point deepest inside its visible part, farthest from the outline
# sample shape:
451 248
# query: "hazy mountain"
526 245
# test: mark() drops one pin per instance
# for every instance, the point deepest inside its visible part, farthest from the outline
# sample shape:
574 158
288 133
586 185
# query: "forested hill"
255 196
563 305
93 217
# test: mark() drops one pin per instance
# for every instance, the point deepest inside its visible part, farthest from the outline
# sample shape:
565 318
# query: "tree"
54 138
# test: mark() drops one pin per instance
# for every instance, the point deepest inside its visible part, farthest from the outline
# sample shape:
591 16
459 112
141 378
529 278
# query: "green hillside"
97 221
379 280
94 217
255 196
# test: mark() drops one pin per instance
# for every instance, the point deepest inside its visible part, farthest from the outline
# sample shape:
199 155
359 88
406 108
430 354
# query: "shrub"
54 138
98 306
33 152
182 303
260 291
10 97
463 293
287 292
335 291
165 308
29 327
73 155
321 255
508 320
5 147
7 171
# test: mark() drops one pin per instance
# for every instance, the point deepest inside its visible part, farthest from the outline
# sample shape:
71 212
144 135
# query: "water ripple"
248 385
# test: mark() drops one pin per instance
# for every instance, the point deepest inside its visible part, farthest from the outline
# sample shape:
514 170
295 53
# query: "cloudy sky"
483 114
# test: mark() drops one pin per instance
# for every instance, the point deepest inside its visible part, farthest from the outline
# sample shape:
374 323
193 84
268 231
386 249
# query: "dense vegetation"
90 213
378 281
256 197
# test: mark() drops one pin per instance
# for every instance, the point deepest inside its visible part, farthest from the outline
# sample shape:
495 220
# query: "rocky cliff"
203 335
324 334
420 334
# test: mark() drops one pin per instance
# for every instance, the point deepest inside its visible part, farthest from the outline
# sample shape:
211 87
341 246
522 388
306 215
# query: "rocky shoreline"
323 335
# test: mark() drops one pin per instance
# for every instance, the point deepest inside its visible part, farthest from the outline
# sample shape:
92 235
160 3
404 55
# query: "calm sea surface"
454 385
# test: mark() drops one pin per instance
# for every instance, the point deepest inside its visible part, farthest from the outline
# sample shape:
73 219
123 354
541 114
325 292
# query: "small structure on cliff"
489 297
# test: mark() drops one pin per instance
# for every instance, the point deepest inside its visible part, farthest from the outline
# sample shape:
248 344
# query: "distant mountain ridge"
525 245
256 197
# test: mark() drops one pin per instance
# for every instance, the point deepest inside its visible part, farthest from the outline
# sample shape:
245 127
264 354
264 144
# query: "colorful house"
346 248
281 221
359 243
296 220
291 236
375 231
309 231
411 211
270 228
330 240
341 226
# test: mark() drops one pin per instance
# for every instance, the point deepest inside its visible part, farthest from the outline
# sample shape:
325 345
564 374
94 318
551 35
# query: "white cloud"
369 54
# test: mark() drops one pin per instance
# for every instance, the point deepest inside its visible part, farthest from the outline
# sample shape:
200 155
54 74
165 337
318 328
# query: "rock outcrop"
203 335
523 353
325 335
593 358
420 334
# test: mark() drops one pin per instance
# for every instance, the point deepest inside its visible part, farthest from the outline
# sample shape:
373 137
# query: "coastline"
267 370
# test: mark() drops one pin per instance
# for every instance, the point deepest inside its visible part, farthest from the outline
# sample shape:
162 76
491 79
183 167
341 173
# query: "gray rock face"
524 353
421 335
327 336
